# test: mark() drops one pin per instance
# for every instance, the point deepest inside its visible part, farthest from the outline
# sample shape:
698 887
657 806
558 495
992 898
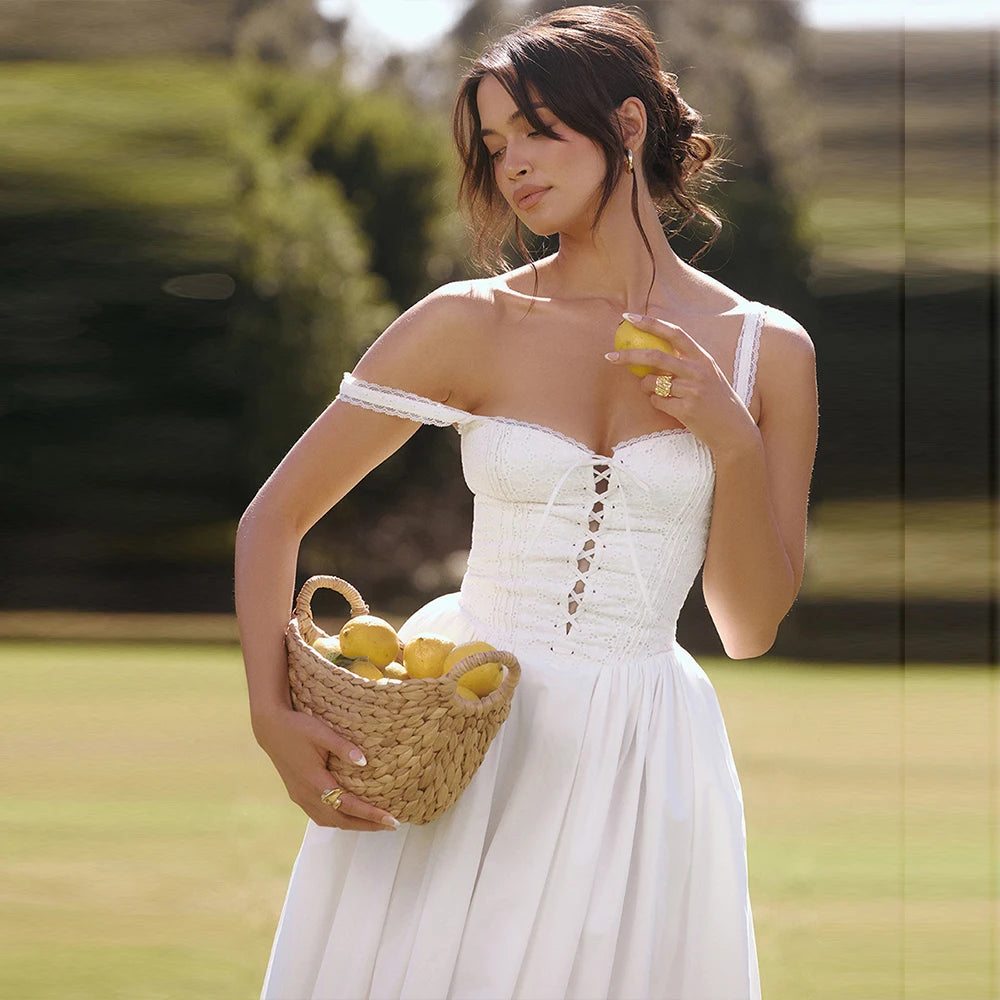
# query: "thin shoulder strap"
747 348
399 403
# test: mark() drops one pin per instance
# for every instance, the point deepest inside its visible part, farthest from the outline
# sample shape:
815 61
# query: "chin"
541 230
540 226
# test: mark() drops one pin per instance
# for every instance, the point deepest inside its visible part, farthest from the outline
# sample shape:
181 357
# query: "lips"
525 197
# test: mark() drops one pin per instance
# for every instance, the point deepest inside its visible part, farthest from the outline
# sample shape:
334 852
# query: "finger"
648 384
324 815
668 364
352 807
335 743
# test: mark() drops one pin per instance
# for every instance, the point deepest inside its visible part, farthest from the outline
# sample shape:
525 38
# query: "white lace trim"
513 422
651 435
574 441
404 404
408 404
747 350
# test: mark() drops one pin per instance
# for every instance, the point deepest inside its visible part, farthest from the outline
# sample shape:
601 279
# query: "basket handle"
303 603
511 675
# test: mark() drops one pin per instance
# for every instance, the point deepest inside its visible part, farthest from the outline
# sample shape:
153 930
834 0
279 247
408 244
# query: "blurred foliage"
308 304
183 296
389 157
340 218
96 29
194 250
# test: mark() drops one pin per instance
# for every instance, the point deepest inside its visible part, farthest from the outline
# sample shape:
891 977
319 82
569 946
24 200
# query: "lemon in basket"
425 655
370 637
461 652
328 646
364 667
395 671
481 680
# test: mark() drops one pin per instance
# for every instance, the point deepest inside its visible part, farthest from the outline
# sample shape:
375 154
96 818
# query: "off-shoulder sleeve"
399 403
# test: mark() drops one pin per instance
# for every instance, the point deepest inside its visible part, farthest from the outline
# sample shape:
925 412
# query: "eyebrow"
483 132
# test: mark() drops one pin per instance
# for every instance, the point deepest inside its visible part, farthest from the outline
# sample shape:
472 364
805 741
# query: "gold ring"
663 383
332 796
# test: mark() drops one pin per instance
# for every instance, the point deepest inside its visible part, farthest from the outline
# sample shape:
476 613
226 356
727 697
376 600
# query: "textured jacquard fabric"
600 850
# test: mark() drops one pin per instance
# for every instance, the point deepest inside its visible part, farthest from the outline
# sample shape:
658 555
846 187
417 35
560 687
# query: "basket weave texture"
422 740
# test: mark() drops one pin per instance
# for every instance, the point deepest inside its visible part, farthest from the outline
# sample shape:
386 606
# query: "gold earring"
629 163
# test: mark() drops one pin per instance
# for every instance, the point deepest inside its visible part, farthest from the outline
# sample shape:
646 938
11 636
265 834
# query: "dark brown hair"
583 62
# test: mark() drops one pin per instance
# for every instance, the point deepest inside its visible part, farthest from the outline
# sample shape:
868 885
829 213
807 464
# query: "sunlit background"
210 208
413 24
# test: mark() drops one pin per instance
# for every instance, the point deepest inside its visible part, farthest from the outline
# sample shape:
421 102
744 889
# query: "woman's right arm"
417 353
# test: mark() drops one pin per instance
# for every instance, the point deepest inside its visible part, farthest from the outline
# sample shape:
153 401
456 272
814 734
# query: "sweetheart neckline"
626 442
469 417
757 314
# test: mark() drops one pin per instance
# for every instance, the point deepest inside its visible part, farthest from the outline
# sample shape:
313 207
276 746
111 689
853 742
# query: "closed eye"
499 152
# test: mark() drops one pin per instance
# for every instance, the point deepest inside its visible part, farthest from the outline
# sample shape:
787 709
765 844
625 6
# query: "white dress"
599 853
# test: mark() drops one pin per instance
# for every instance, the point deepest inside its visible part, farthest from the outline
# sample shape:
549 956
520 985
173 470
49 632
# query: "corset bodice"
575 553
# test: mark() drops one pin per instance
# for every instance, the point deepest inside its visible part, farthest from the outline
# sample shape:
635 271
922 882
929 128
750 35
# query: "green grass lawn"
147 842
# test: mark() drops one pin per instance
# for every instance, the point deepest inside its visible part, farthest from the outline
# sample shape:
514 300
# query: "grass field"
147 842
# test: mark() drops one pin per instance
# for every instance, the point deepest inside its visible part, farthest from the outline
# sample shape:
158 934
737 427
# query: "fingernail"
358 757
612 356
391 822
632 317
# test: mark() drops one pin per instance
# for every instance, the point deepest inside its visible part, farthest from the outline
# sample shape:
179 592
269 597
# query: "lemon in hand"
631 338
425 655
370 637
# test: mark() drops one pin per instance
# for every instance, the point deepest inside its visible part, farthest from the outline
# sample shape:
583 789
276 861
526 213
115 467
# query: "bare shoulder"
784 337
432 347
786 370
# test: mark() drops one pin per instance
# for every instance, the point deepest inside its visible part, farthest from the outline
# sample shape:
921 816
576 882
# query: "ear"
632 118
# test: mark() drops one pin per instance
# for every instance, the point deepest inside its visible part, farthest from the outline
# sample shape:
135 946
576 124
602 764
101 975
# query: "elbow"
261 519
746 647
745 634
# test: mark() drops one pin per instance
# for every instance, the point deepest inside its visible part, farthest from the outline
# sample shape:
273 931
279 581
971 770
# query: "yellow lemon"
370 637
424 655
461 652
631 338
396 671
328 646
482 680
364 667
467 694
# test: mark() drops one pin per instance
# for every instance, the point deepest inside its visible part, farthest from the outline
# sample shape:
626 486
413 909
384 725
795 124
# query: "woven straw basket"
422 740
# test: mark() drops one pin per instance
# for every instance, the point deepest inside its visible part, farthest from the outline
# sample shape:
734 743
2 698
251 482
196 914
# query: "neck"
613 263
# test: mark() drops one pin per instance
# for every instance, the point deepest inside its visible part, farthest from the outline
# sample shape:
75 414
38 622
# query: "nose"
514 163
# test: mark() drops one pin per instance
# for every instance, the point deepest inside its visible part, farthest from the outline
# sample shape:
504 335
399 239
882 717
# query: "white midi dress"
599 853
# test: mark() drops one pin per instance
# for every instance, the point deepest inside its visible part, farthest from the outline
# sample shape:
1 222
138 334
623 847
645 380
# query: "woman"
600 850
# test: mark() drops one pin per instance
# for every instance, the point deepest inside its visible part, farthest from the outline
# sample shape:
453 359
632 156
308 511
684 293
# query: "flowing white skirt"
599 852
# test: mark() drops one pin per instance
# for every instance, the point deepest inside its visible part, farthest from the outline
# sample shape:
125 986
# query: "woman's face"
570 172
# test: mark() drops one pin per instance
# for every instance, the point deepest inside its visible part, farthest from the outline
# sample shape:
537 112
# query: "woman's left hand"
700 397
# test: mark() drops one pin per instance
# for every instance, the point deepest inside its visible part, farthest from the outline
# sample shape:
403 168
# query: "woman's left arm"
756 545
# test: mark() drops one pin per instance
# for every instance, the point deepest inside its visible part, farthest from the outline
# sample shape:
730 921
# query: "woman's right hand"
298 745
